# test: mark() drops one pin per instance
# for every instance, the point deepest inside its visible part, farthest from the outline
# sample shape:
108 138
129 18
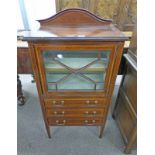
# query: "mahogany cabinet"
75 57
125 111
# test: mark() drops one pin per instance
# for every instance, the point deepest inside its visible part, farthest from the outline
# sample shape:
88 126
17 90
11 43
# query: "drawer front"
75 103
85 112
57 121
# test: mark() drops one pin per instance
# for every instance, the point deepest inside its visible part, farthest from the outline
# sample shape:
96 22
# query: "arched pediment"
74 17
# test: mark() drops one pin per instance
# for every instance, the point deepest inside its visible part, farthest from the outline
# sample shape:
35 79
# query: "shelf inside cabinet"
72 81
76 64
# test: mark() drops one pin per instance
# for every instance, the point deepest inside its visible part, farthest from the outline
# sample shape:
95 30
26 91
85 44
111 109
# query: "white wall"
39 9
19 19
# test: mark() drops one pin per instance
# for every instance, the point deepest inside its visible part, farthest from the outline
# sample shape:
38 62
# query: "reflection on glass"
74 70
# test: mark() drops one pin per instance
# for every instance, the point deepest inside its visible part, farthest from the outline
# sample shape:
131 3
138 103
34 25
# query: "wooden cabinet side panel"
124 118
130 86
125 111
38 84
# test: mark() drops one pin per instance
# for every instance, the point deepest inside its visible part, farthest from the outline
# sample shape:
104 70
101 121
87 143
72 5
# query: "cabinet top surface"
74 24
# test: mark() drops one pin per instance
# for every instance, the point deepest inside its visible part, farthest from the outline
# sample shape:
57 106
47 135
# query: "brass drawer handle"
96 102
87 122
54 102
94 112
88 102
90 114
86 112
58 104
92 103
58 123
62 102
59 114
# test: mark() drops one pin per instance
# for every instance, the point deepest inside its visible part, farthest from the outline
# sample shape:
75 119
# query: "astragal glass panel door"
75 70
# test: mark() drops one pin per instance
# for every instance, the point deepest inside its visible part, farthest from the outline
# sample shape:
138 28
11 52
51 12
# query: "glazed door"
75 70
71 70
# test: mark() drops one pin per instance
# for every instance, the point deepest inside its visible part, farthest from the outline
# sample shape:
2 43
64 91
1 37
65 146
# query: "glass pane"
74 70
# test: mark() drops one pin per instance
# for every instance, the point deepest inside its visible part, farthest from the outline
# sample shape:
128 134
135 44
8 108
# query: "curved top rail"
74 17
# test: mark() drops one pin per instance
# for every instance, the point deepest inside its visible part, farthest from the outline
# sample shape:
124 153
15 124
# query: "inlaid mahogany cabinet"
125 111
75 58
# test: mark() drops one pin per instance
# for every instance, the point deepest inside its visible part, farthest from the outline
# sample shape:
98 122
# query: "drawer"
75 103
65 121
85 112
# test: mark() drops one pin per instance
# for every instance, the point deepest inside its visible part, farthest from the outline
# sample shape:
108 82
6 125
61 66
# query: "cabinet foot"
113 116
48 131
101 131
131 141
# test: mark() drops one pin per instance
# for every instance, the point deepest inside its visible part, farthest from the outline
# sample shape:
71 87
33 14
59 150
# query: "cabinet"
75 57
125 111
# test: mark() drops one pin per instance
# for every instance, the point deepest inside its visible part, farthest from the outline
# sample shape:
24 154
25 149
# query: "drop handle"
96 102
53 102
94 112
62 102
87 102
92 103
58 122
59 113
90 114
87 122
58 104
